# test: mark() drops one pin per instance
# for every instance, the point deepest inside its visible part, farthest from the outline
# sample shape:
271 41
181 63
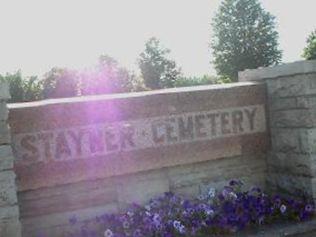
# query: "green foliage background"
244 38
310 49
158 71
195 81
23 89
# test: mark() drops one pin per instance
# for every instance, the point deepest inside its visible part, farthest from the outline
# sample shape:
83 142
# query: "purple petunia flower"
73 220
137 233
309 208
108 233
283 208
230 210
179 227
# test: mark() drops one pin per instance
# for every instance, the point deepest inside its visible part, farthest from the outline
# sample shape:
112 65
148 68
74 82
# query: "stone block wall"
88 156
9 210
291 93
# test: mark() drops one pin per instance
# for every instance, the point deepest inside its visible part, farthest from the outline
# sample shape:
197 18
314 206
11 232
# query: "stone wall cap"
4 90
130 95
287 69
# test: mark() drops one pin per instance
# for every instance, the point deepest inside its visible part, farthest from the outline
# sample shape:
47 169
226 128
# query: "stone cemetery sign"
110 138
72 140
95 154
102 152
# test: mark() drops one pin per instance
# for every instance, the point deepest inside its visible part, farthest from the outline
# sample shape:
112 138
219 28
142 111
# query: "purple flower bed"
215 214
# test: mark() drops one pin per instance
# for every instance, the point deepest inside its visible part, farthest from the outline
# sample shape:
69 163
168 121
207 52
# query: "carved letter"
110 139
158 132
96 141
225 123
46 138
185 130
170 130
27 142
237 121
77 138
62 147
126 135
199 125
251 117
212 118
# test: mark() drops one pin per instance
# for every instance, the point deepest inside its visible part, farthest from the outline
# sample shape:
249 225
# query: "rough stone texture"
10 227
289 69
216 173
5 137
67 197
72 112
132 135
308 141
289 162
296 140
295 118
9 212
297 85
50 174
292 184
292 103
48 210
7 188
4 91
280 104
291 96
3 111
6 157
57 224
305 229
140 191
286 140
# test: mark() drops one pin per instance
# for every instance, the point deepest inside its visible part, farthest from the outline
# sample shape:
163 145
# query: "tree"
157 70
195 81
59 83
32 89
244 38
107 77
23 89
310 49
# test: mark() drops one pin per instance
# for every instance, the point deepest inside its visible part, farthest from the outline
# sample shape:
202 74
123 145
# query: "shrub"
194 81
158 71
23 89
244 37
310 49
60 83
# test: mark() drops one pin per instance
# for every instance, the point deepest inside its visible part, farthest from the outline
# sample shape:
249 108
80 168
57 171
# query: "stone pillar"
291 92
9 211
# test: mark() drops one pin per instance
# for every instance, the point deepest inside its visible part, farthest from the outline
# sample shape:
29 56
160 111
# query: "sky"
37 35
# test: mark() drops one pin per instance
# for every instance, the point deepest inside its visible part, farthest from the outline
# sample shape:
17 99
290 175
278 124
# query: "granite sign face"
123 136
